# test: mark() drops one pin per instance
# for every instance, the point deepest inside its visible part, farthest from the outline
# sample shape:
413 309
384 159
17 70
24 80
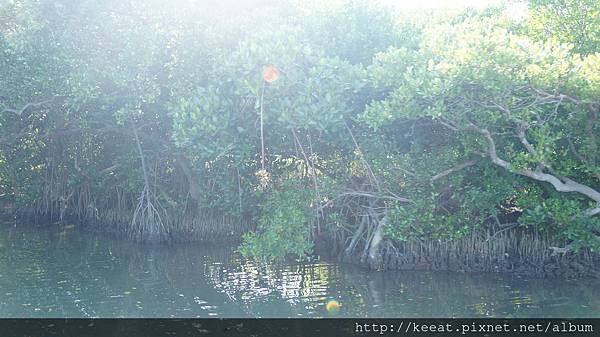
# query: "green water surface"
57 272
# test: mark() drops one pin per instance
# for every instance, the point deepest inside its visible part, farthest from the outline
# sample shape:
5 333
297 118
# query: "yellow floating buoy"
333 307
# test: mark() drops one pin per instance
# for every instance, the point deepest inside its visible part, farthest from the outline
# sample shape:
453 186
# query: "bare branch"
362 157
369 195
549 98
561 184
592 211
453 169
563 250
19 112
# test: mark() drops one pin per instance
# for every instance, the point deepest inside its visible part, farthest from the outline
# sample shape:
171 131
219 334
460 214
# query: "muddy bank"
186 227
520 252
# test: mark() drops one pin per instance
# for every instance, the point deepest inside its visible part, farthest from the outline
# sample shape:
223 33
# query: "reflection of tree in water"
95 269
440 294
49 280
16 289
249 283
144 269
304 288
175 275
68 273
99 276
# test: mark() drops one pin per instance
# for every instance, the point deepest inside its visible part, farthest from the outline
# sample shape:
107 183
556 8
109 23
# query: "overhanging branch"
561 184
19 112
453 169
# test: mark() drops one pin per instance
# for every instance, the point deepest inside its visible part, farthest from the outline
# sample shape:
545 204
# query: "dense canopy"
349 121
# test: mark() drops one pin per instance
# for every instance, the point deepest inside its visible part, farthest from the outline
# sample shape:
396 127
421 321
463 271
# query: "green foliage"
510 93
576 22
282 229
445 123
338 29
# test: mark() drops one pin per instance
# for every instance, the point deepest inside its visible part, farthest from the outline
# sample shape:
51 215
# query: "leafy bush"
283 228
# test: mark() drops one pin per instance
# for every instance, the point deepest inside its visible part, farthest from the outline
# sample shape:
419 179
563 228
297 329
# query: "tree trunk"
375 258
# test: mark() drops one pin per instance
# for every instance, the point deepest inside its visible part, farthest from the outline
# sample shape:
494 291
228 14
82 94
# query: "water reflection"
70 273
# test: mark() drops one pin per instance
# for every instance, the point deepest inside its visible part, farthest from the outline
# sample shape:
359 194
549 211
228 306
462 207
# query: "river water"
57 272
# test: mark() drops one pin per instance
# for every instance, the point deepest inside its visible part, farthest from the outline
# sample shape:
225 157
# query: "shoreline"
509 253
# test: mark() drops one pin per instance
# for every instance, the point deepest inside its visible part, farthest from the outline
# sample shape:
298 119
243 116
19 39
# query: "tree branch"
453 169
561 184
19 112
